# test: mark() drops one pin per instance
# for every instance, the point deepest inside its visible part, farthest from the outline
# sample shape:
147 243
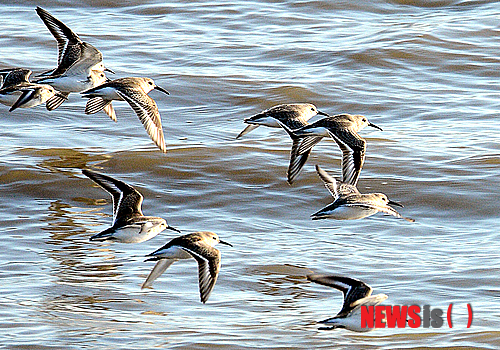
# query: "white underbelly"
349 213
70 83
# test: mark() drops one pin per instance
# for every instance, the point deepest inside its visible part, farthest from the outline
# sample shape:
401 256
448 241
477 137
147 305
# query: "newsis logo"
402 316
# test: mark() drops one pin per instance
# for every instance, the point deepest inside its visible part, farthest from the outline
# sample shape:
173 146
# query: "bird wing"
352 288
208 259
127 201
353 149
75 57
147 111
297 162
26 95
384 209
14 76
88 57
329 181
161 266
66 39
301 149
247 129
335 187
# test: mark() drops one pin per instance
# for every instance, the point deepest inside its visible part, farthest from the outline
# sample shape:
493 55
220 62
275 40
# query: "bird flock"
80 69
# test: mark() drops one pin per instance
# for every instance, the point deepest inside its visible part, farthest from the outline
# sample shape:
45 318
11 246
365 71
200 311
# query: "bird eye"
312 109
150 83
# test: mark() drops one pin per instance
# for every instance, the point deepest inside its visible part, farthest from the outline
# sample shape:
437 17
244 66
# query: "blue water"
425 71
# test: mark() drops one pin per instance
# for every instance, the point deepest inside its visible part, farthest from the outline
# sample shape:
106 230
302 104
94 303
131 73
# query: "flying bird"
129 223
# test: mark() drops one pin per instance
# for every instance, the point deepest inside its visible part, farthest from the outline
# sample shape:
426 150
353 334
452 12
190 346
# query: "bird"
197 245
294 115
80 65
356 294
135 92
18 92
129 223
350 204
343 128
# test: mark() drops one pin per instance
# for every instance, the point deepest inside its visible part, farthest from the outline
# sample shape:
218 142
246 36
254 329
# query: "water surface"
425 71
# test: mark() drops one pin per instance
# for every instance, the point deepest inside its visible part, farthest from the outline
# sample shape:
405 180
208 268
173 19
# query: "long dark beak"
173 229
60 95
162 90
229 244
396 204
323 113
374 126
109 70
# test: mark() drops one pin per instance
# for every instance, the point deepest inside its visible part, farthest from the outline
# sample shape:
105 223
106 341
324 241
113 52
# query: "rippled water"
425 71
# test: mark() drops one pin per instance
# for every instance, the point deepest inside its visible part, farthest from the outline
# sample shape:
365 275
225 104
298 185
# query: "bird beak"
109 70
60 95
162 90
323 113
229 244
374 126
396 204
173 229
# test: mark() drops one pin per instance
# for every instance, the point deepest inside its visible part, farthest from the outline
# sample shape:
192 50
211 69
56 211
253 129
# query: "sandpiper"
129 224
343 128
350 204
198 245
293 115
135 92
356 294
80 65
18 92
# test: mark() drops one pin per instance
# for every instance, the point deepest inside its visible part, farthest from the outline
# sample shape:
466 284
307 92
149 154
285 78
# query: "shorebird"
293 115
135 92
198 245
356 294
129 224
350 204
80 65
18 92
343 128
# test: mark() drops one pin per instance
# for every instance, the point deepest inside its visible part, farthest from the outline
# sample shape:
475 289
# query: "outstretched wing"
14 76
147 111
67 40
334 187
352 288
161 266
353 155
127 201
208 259
382 208
26 96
